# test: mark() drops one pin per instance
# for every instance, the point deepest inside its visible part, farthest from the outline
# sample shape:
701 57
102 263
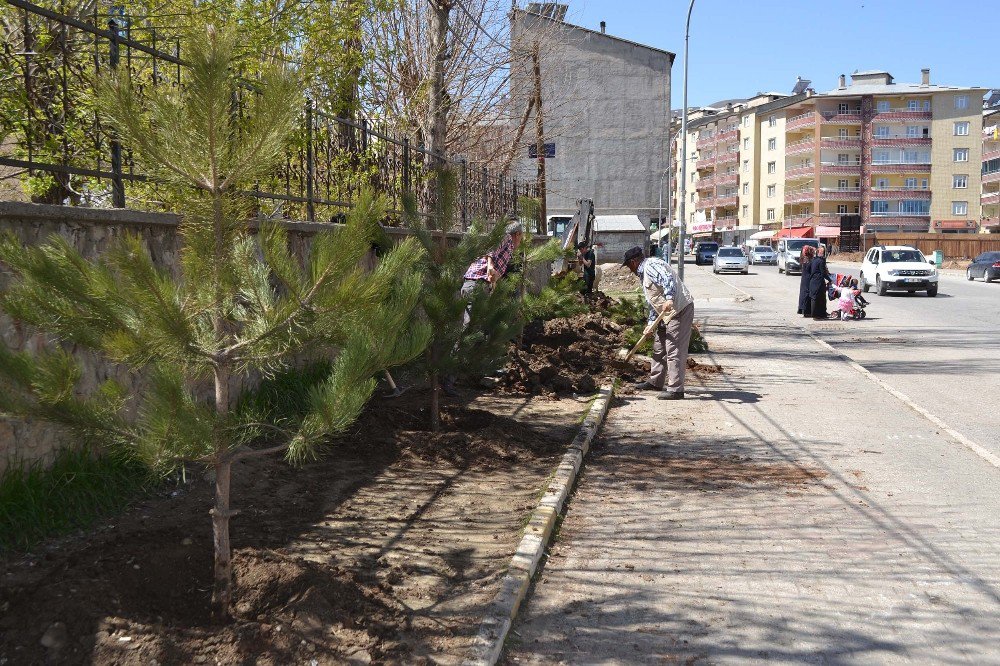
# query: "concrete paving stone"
791 511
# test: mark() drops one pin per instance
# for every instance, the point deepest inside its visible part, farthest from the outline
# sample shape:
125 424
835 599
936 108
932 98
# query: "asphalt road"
942 352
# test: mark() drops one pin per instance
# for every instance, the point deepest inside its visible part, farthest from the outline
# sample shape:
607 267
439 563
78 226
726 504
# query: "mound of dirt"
615 277
567 355
702 368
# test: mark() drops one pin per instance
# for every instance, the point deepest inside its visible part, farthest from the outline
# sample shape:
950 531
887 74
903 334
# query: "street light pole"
684 152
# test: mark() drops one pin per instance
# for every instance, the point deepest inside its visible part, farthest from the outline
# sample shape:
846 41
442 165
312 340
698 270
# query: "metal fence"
57 149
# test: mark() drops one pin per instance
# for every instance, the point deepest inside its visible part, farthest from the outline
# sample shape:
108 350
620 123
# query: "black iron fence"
56 150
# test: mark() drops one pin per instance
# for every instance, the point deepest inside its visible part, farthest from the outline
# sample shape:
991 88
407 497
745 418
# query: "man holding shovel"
665 294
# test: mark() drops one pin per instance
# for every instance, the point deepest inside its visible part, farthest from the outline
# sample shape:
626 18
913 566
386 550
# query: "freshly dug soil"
617 278
385 551
569 355
703 369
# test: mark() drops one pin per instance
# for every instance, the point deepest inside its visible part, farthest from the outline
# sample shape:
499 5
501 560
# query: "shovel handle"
662 317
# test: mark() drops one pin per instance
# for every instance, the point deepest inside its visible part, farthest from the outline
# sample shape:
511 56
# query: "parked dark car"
986 266
704 253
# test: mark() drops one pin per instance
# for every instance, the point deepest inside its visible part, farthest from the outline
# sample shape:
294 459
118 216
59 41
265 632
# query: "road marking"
730 284
905 399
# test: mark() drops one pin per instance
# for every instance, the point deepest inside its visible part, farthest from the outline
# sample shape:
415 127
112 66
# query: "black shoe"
670 395
645 386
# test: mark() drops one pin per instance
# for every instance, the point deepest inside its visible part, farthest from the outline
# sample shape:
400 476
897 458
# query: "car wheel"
932 291
879 286
864 284
746 271
986 276
968 274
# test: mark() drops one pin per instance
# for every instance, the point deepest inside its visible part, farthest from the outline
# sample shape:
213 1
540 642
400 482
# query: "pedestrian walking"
805 258
819 282
664 292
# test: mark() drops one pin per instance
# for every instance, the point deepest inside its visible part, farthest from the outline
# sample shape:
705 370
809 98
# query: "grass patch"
37 502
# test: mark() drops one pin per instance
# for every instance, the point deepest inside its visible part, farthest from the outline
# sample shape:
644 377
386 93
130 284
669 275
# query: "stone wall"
90 231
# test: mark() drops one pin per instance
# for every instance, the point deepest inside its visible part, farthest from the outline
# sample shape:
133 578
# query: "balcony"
892 141
896 193
800 195
990 198
723 179
895 221
727 158
992 177
706 183
991 154
851 167
727 222
723 138
901 167
705 163
799 147
841 143
900 215
726 200
801 121
839 193
706 140
901 116
800 170
846 117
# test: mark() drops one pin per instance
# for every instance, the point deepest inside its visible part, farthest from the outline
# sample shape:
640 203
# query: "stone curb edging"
514 587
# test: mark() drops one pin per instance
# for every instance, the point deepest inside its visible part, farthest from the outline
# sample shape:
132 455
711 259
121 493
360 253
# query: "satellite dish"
800 86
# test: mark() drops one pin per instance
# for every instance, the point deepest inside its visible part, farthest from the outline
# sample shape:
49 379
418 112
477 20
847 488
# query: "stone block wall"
91 231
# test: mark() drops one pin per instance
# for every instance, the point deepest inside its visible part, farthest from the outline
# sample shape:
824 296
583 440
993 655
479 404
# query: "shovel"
396 390
663 317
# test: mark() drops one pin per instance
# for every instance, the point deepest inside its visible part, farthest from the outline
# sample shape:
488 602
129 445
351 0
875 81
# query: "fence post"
514 190
406 165
310 205
117 186
486 188
463 179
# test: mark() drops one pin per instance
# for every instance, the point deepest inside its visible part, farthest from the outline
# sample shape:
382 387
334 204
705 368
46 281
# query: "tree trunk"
437 107
435 403
539 140
222 590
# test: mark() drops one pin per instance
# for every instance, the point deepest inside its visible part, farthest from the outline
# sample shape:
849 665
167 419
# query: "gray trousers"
670 351
466 292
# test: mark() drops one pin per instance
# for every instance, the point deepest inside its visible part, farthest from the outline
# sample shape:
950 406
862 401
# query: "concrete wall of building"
610 246
606 106
764 157
91 232
943 165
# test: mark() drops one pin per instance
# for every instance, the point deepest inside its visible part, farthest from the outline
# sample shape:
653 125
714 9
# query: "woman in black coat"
805 261
819 279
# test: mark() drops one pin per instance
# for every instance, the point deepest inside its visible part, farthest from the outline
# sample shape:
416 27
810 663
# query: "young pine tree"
456 350
243 304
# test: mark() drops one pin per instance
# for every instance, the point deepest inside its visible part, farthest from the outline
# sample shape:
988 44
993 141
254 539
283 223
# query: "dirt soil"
568 355
617 278
385 551
703 369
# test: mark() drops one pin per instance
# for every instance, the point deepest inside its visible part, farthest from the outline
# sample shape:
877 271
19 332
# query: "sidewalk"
789 511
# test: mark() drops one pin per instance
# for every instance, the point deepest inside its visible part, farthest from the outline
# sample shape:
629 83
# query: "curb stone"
514 586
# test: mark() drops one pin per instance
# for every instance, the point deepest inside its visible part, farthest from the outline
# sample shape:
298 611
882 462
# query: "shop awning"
827 232
763 235
795 232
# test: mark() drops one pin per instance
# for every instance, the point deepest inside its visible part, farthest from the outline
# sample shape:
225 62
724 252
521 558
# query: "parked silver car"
763 254
730 259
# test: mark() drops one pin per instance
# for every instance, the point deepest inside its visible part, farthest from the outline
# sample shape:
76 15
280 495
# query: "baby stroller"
850 304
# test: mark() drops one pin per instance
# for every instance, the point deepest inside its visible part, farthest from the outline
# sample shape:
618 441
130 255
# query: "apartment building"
897 154
990 172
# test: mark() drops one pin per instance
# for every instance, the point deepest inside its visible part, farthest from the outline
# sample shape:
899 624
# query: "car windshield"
761 250
797 245
990 256
730 252
902 255
708 246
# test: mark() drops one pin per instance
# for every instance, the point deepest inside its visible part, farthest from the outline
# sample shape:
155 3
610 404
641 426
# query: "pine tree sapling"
243 305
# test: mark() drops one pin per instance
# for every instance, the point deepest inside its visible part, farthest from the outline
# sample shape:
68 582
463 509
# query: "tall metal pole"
684 152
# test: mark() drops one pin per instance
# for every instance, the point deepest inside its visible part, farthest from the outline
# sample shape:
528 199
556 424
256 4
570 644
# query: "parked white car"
789 250
763 254
730 259
898 268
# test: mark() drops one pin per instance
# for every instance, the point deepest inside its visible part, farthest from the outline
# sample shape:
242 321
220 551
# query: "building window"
962 128
746 210
770 214
746 166
842 107
882 106
882 183
881 131
746 121
910 183
842 184
913 105
857 210
961 101
842 209
772 167
772 121
842 133
959 182
880 157
746 143
772 144
913 132
770 191
914 206
746 188
961 154
880 207
843 158
923 184
692 197
959 207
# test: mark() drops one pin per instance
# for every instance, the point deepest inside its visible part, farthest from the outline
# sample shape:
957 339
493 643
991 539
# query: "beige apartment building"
990 172
903 157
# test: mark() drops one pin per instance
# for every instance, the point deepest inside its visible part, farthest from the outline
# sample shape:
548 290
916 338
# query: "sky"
740 47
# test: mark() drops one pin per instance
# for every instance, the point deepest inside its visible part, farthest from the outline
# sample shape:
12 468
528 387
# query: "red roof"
795 232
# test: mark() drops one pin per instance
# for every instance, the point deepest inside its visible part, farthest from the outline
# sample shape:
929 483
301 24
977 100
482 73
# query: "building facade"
606 113
990 172
903 157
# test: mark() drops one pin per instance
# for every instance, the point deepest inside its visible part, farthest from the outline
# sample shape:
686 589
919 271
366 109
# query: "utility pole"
539 139
684 150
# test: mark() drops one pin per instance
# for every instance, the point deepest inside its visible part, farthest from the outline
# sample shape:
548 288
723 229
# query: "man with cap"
488 269
664 292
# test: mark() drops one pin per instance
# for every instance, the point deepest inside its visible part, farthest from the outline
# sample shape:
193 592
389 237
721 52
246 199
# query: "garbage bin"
938 258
